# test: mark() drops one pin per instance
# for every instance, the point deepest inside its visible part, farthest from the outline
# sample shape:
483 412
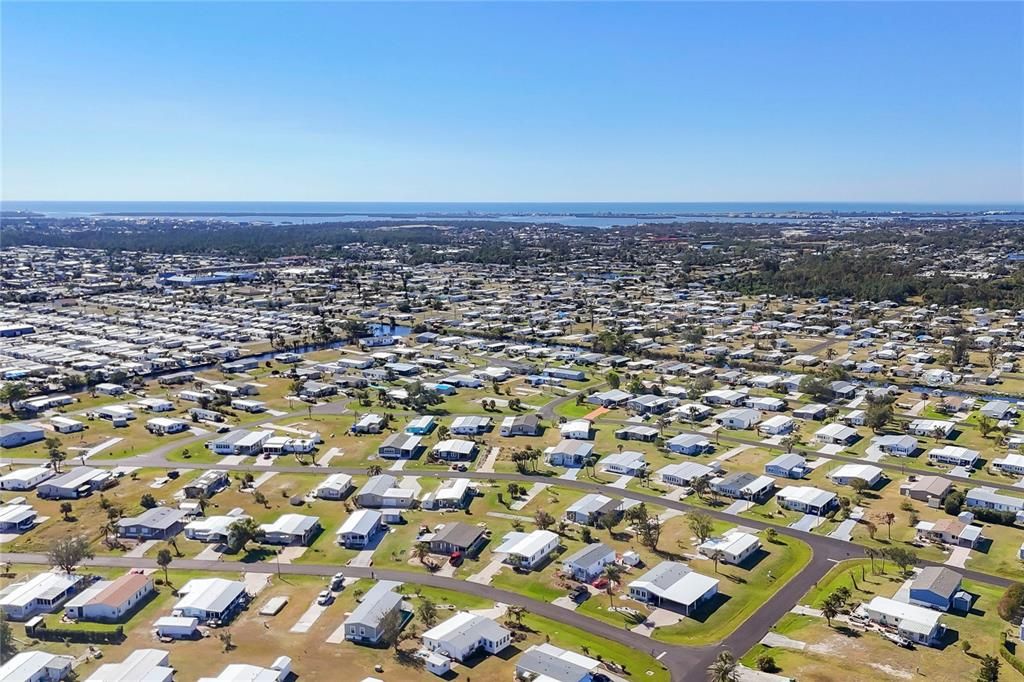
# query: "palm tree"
872 553
421 551
724 669
830 609
611 573
716 556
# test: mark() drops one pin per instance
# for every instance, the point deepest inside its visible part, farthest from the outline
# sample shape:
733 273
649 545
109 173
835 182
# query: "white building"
210 599
577 429
291 529
917 623
43 593
334 487
109 601
359 528
278 671
1010 464
141 665
588 561
807 499
528 550
36 666
732 548
464 634
165 425
848 473
954 455
627 462
931 428
676 584
25 479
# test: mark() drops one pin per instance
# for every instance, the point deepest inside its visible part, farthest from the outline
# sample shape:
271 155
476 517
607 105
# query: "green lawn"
786 559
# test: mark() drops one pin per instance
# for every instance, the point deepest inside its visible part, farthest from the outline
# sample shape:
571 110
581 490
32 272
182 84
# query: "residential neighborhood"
569 476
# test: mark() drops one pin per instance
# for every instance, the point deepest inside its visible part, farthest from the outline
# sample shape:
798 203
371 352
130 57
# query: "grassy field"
866 655
746 590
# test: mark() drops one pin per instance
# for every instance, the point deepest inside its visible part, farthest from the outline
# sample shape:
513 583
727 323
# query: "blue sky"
513 102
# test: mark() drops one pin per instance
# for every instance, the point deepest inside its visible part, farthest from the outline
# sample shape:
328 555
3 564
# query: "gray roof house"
158 523
589 509
363 626
588 561
456 536
400 446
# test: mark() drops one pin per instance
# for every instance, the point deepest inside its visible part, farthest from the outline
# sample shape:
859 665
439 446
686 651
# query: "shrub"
766 664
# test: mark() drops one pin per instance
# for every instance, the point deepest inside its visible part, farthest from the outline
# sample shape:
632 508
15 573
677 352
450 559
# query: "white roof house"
463 634
25 479
626 462
930 427
954 454
835 433
278 671
845 474
208 598
452 494
334 486
548 663
734 546
361 522
684 472
807 499
35 666
528 549
579 429
16 517
141 665
42 593
674 582
916 623
290 528
212 528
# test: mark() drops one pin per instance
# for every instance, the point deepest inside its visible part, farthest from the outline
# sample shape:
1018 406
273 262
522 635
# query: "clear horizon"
704 102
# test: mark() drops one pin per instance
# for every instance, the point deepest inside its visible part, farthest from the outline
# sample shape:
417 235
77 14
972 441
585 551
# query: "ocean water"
585 214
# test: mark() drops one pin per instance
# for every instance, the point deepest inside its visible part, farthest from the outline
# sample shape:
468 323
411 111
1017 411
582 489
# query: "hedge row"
79 636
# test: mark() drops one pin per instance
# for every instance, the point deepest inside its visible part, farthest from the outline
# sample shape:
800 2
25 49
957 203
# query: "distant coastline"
577 214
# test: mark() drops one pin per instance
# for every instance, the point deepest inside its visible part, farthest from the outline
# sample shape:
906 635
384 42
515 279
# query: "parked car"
338 582
325 598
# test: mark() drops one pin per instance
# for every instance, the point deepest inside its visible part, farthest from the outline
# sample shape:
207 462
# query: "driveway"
211 553
844 531
807 523
487 465
365 557
534 490
309 618
326 458
958 557
739 506
658 618
488 572
140 549
263 478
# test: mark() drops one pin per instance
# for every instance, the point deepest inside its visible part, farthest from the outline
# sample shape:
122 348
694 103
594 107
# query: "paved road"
548 411
684 663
